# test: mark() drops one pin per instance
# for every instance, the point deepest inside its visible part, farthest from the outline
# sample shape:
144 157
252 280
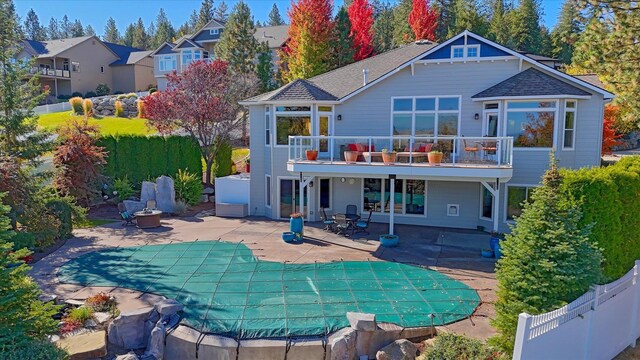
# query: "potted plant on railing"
312 154
435 154
351 156
388 157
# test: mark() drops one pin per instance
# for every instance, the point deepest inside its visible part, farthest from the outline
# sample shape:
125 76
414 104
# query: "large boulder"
168 307
129 356
155 348
85 346
148 191
165 194
127 330
402 349
134 206
343 347
362 321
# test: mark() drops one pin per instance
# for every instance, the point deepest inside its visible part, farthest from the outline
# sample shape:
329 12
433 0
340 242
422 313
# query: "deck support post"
303 183
392 201
495 191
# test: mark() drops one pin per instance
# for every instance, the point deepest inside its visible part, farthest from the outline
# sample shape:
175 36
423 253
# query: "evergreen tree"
221 12
275 18
548 259
32 28
402 33
258 24
88 31
467 15
446 17
423 20
499 27
546 42
566 32
342 51
526 31
237 43
77 29
193 21
361 19
111 33
129 34
19 94
53 30
383 29
205 15
309 39
264 68
151 33
65 27
164 31
140 38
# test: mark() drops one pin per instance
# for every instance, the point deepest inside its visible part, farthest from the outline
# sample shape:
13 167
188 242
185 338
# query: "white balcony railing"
51 72
409 151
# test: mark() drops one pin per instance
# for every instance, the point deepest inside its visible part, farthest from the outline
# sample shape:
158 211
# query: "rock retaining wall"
106 106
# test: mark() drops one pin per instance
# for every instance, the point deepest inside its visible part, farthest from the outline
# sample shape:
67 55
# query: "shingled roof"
531 82
343 81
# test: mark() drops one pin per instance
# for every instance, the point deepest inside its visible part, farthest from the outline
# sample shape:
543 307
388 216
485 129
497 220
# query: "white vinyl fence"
65 106
597 325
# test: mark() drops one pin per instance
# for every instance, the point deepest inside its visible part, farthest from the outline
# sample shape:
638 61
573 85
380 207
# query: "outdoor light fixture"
476 116
311 184
340 117
343 180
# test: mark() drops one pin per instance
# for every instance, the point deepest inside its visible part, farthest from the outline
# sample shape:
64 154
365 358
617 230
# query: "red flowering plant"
609 136
423 20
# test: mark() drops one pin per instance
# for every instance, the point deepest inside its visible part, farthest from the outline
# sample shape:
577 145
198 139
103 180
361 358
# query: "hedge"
611 202
223 164
147 157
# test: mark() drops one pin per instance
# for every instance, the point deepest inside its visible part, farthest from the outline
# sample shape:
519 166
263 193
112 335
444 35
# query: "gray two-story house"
370 128
177 56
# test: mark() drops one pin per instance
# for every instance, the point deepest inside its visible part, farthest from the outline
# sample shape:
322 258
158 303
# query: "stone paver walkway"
417 246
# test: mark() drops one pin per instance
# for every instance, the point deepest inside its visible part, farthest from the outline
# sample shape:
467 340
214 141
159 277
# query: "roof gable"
122 51
164 49
443 51
300 90
187 44
531 83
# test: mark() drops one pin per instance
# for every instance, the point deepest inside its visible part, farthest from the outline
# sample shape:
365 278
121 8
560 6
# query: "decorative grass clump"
76 105
119 109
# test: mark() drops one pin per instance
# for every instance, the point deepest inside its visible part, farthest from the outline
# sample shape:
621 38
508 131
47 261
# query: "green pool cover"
228 291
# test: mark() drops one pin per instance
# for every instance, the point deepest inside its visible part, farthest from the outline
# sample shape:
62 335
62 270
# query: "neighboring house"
201 45
80 64
495 113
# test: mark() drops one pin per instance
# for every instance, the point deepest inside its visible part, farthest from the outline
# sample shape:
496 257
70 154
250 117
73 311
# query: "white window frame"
183 54
330 193
267 125
267 191
493 199
465 51
170 59
573 110
277 113
214 31
555 110
383 194
75 66
474 46
458 47
435 112
529 187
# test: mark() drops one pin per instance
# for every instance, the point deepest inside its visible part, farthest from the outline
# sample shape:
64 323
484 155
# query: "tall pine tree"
275 18
309 39
383 29
164 30
342 51
129 34
264 68
467 15
140 38
53 30
32 28
221 12
526 31
111 33
402 33
89 31
499 22
237 44
361 19
77 29
566 32
65 27
206 14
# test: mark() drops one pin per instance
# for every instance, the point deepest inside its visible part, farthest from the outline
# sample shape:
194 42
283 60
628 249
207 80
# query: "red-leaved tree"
361 18
308 50
609 136
78 161
201 101
423 20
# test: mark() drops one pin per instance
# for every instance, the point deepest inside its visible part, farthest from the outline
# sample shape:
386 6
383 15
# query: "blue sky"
96 12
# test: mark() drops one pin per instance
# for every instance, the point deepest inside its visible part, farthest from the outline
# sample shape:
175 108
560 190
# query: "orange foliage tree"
423 20
609 136
361 18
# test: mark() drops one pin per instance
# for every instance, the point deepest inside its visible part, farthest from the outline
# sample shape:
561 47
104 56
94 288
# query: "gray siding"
204 35
258 160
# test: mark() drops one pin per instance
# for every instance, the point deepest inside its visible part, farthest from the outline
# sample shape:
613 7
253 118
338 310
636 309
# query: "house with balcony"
201 45
79 64
494 114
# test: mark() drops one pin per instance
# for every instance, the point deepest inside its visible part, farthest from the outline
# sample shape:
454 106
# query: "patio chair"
342 224
470 149
489 148
351 210
329 223
363 226
151 204
127 219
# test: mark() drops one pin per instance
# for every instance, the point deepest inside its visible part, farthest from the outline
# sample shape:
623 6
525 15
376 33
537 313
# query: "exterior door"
490 127
325 125
289 202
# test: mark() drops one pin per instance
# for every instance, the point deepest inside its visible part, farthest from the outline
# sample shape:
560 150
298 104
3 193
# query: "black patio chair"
351 210
127 219
343 225
329 223
363 226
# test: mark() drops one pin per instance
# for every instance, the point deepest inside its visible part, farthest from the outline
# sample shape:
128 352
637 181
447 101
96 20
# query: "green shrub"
63 211
456 347
64 97
121 97
118 92
76 94
132 96
223 163
188 187
22 240
80 314
76 105
35 350
152 90
90 94
123 188
102 89
119 109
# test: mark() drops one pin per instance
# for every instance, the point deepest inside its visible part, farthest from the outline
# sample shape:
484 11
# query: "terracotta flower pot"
311 154
389 157
434 158
350 156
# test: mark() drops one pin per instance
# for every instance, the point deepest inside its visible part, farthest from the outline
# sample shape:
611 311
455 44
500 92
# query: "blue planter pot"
486 253
296 225
495 241
288 236
497 251
389 240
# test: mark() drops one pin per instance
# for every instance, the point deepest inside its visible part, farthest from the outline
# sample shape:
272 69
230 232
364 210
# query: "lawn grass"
89 223
108 125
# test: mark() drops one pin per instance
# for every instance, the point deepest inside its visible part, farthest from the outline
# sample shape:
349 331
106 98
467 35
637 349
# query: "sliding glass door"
289 200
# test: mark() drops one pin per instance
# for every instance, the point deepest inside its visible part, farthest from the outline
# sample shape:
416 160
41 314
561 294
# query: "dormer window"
465 51
214 31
